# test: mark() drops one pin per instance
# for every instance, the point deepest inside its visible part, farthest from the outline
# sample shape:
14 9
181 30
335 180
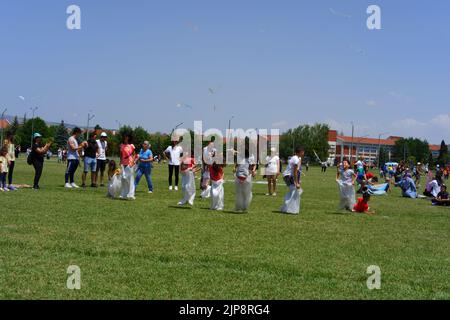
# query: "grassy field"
150 249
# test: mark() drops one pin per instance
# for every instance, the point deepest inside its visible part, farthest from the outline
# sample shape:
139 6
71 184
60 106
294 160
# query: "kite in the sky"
183 105
21 97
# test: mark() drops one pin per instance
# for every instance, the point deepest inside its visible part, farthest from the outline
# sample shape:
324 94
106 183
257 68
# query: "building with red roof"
354 147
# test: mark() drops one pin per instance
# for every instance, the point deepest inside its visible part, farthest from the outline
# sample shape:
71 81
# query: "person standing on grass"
217 192
345 178
127 161
272 172
11 149
73 158
292 178
4 166
324 166
188 169
101 158
245 170
37 154
90 160
174 153
208 153
145 166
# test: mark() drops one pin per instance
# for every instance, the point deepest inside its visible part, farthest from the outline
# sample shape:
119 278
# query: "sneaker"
131 198
176 188
1 190
150 192
68 186
6 189
267 194
74 185
170 188
181 203
274 195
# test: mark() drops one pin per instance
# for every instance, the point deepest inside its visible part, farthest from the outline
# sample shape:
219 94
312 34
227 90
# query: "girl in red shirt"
217 191
362 205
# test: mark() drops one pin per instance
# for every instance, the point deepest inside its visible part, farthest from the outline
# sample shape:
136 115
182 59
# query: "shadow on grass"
224 211
180 207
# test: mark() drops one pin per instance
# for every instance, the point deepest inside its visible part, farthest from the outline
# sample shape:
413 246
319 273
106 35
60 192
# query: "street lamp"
229 130
33 109
379 146
2 118
89 118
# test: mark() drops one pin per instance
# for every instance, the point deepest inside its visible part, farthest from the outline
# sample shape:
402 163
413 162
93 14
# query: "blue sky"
270 64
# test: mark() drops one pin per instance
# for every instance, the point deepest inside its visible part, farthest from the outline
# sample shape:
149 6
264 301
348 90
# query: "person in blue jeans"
145 166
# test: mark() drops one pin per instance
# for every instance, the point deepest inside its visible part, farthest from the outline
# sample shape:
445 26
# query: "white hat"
104 135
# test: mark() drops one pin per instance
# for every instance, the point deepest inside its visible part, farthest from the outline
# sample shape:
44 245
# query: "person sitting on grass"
362 205
432 188
442 197
408 187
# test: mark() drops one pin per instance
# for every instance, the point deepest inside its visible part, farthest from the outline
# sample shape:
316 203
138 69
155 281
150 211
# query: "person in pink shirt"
127 161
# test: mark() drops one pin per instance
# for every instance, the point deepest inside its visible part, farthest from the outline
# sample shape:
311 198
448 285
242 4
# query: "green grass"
149 249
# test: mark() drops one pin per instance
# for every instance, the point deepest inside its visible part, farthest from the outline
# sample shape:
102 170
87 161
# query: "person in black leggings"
37 155
173 153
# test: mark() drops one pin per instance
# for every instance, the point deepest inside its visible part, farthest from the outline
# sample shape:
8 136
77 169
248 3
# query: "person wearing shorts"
101 158
90 160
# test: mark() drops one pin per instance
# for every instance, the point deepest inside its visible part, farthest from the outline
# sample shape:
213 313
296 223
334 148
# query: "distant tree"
384 156
443 158
139 136
25 131
411 147
430 160
312 138
98 127
61 135
14 126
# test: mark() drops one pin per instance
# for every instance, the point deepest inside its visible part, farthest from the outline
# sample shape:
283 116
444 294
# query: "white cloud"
280 124
408 123
442 121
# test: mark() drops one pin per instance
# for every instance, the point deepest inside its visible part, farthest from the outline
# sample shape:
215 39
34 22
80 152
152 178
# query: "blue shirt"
145 155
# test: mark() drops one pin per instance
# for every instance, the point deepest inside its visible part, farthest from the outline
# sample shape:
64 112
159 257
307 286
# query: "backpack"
30 158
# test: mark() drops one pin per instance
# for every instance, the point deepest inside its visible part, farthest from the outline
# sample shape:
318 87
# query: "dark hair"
92 134
128 134
365 193
10 136
4 150
76 130
299 149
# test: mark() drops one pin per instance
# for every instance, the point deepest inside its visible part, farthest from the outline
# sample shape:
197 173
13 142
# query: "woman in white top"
174 153
10 148
272 172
